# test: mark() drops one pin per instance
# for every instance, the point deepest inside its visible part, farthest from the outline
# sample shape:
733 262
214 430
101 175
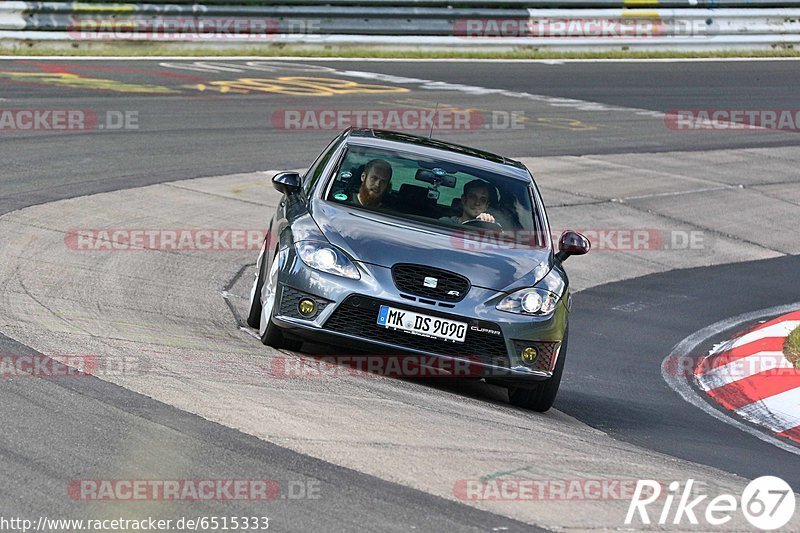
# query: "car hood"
385 241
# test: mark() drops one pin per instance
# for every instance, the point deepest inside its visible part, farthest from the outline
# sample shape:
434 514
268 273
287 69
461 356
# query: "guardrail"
574 24
95 5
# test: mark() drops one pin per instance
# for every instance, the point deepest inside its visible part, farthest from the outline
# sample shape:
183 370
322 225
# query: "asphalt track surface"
613 385
199 133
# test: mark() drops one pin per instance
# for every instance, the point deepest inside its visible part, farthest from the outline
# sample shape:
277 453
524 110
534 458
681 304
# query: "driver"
375 181
477 197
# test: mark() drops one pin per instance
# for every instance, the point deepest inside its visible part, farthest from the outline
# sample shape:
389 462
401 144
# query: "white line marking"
227 296
249 332
742 368
778 413
677 193
476 90
690 343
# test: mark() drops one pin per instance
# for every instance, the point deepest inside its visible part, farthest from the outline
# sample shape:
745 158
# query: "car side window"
314 172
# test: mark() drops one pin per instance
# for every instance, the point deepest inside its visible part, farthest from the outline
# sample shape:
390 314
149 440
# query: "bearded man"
375 181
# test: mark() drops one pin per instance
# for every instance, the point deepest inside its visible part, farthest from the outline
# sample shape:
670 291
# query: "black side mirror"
572 243
287 183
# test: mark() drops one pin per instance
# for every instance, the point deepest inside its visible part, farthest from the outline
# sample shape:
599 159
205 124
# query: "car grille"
290 298
357 316
450 287
546 354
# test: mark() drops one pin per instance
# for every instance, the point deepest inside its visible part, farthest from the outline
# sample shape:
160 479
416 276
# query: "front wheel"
541 397
270 334
254 316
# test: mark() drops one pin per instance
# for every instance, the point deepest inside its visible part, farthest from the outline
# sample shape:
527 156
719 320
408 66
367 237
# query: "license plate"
427 326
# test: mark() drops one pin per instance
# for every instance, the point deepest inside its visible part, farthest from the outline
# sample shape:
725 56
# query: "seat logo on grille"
430 282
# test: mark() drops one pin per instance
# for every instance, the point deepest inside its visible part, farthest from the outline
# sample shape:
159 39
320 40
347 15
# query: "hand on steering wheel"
485 221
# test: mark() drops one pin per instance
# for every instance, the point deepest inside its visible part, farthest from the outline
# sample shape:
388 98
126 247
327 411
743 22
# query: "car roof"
435 148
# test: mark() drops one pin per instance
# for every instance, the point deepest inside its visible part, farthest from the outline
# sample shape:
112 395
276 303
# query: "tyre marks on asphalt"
164 308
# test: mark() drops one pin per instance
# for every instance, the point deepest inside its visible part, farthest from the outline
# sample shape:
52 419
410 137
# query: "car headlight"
531 301
327 258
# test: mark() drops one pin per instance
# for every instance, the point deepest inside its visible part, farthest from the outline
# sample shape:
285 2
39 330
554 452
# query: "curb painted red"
750 376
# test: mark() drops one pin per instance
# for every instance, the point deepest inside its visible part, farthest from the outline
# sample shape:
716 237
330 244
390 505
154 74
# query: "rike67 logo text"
767 503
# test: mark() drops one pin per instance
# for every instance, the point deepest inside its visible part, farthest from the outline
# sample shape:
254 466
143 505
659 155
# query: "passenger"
477 197
376 180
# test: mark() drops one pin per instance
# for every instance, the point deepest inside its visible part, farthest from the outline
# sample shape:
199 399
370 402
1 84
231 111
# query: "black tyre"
541 397
273 336
270 334
254 317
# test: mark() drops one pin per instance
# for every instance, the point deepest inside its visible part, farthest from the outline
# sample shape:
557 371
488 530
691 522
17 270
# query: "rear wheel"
541 397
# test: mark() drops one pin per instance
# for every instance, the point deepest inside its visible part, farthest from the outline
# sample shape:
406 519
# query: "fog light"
529 354
307 307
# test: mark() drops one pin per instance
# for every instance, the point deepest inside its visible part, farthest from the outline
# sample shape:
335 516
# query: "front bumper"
346 316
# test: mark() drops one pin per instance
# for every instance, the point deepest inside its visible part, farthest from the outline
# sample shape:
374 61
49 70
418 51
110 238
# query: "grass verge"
791 348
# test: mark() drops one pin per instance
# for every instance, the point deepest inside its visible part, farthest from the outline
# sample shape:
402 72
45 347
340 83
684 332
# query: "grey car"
398 244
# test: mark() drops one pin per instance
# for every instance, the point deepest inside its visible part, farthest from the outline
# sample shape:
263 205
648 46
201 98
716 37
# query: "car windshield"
438 192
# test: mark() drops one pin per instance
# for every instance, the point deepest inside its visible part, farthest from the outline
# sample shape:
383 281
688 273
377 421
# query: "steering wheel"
483 224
